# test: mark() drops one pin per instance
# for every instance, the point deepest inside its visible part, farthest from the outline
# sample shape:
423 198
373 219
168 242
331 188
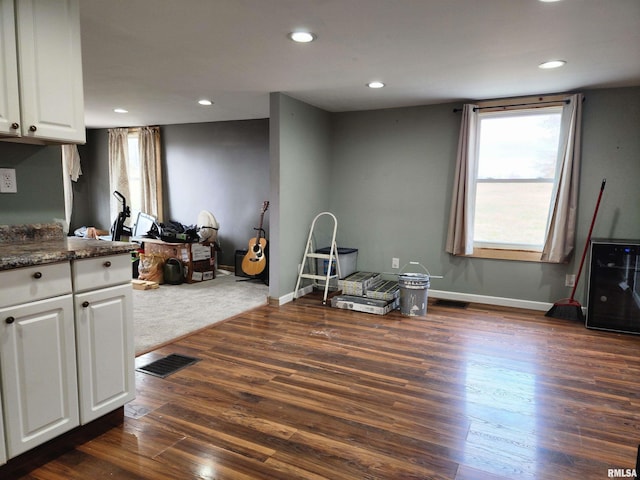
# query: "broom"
570 308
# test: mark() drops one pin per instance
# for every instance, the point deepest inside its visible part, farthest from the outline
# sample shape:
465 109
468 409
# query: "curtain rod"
475 109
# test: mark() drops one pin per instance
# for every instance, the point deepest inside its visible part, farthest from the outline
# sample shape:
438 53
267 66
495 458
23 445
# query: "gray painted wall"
91 191
386 174
392 176
222 167
40 197
300 173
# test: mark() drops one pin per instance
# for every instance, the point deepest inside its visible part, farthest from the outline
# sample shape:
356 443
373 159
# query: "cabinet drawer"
29 284
100 272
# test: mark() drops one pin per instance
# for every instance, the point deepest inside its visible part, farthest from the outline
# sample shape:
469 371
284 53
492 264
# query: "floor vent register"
166 366
451 303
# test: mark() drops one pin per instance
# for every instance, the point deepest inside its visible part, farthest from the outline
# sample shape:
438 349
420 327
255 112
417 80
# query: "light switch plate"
8 180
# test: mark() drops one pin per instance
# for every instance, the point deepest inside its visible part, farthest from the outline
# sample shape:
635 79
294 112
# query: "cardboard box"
167 250
384 290
200 252
199 271
363 304
198 259
347 257
357 283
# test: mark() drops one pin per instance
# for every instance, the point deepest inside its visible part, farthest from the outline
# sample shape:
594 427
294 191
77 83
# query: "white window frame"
508 250
135 197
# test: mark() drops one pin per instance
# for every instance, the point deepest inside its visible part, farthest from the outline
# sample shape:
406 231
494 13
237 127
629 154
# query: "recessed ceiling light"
120 110
302 37
549 1
375 84
552 64
204 101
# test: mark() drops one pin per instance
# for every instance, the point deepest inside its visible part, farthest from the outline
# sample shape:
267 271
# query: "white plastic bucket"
414 289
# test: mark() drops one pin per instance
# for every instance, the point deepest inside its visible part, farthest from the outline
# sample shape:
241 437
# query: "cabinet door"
9 104
3 448
50 70
106 357
38 367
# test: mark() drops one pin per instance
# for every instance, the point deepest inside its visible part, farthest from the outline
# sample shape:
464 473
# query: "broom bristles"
567 309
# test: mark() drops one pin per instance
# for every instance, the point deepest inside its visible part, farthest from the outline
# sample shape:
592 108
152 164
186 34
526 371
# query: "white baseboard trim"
500 301
462 297
289 297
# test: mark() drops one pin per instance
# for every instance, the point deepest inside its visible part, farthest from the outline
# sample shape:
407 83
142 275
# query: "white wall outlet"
8 180
395 262
569 280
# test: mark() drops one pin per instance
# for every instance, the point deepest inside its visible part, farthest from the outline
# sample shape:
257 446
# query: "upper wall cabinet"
41 91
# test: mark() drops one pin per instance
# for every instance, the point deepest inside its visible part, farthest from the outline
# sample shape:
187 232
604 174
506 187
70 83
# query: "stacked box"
199 271
167 250
363 304
198 259
357 283
384 290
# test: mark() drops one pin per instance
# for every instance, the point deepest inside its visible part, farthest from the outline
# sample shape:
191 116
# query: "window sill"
501 254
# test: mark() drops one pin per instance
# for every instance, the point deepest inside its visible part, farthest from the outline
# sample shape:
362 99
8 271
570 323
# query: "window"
133 189
515 191
134 174
515 177
135 170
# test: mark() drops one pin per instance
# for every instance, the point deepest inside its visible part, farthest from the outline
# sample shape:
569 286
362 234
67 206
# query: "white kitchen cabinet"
66 348
104 324
41 88
38 369
3 448
9 93
104 334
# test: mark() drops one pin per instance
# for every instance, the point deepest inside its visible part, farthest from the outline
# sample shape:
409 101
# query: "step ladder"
309 253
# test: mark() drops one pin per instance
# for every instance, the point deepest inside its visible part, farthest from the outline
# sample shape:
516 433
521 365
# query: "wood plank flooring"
305 391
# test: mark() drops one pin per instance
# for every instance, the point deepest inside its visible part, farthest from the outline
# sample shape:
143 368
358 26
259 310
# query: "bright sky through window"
517 160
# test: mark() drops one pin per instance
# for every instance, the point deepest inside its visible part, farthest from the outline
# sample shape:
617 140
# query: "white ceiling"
156 58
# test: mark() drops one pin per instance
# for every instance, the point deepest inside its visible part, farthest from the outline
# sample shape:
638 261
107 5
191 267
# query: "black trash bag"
176 232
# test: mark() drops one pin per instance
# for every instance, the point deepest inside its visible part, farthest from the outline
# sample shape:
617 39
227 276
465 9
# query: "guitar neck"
260 230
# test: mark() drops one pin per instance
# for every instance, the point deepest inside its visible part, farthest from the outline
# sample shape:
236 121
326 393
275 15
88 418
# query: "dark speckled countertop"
37 244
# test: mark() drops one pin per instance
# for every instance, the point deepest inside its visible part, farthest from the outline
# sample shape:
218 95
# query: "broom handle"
586 245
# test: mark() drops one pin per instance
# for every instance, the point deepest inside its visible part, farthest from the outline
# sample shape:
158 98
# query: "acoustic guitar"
255 261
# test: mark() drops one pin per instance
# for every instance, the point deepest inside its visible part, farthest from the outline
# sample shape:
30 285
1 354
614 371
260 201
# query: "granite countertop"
37 244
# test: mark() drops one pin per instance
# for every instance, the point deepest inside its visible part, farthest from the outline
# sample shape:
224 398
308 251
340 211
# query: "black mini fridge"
614 285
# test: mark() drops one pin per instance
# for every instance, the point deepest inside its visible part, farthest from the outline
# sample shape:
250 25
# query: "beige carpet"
171 311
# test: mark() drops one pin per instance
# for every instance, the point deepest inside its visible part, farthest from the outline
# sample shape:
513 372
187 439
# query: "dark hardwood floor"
304 391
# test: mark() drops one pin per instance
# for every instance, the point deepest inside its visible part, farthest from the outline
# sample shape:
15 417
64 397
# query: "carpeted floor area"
171 311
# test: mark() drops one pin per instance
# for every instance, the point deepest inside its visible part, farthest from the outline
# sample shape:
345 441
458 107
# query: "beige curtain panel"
150 166
118 160
460 231
561 233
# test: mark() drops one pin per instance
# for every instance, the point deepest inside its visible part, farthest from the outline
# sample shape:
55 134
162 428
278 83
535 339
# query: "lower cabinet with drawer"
103 307
66 349
104 333
3 448
38 359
